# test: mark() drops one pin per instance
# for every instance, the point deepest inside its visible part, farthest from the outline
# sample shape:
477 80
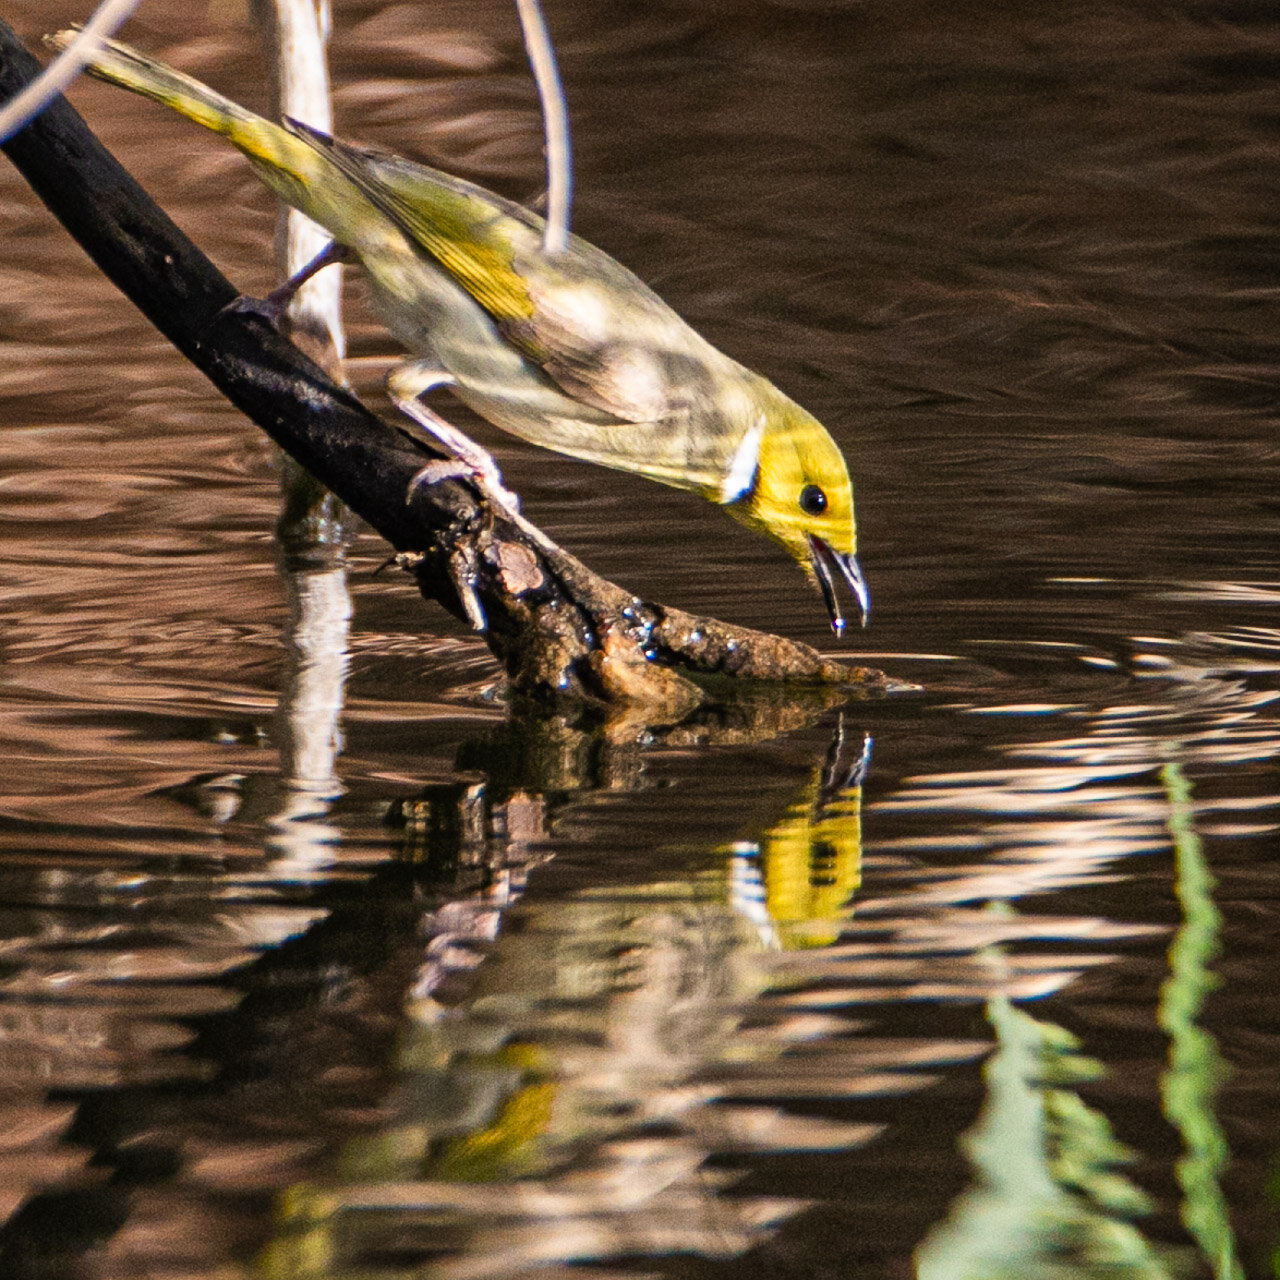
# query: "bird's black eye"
813 502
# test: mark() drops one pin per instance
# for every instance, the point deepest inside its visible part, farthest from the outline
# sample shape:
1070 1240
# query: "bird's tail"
276 152
120 64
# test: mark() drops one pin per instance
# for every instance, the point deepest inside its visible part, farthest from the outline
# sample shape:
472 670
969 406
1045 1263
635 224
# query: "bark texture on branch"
560 631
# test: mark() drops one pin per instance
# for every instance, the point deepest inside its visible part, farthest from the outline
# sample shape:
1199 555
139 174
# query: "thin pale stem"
23 107
555 120
302 79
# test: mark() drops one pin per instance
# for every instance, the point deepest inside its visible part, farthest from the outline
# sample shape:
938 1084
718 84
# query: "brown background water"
499 1000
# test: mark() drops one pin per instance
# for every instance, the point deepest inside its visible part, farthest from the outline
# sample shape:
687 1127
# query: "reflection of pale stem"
303 79
311 700
23 107
302 841
1190 1082
555 119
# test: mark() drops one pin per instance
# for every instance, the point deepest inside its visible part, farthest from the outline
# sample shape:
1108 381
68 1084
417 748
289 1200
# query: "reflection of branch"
560 631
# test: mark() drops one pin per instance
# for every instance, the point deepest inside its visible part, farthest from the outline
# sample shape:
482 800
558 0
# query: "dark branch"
559 630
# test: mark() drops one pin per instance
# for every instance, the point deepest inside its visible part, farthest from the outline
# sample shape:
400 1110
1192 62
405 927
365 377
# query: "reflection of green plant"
1195 1070
1051 1202
1273 1194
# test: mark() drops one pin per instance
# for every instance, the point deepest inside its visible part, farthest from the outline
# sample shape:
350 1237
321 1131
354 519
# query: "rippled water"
970 982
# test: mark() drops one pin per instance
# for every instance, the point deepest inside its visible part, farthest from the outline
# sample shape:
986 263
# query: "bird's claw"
275 305
487 480
436 471
271 309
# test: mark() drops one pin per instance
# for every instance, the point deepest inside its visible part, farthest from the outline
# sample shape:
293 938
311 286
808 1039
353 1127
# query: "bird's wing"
595 329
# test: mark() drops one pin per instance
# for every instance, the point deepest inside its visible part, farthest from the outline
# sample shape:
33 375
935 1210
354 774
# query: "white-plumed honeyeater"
567 350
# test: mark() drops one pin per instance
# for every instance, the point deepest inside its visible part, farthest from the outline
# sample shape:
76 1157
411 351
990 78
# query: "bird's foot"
469 461
483 474
272 308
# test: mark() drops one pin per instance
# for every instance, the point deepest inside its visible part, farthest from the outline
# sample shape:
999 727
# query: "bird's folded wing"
563 314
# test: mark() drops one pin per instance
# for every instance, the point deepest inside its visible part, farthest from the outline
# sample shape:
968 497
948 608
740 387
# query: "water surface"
969 982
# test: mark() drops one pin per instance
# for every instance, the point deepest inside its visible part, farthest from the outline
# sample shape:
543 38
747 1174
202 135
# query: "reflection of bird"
808 865
566 350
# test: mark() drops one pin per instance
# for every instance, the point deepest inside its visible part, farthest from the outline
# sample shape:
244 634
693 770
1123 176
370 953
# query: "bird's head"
788 479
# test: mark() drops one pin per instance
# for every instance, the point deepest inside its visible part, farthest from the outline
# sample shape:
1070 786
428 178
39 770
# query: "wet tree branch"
561 632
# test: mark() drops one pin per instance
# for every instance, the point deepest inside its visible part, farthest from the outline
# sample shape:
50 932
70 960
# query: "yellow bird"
567 350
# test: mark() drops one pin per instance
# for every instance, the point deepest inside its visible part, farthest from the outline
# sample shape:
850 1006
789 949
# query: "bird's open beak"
829 566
